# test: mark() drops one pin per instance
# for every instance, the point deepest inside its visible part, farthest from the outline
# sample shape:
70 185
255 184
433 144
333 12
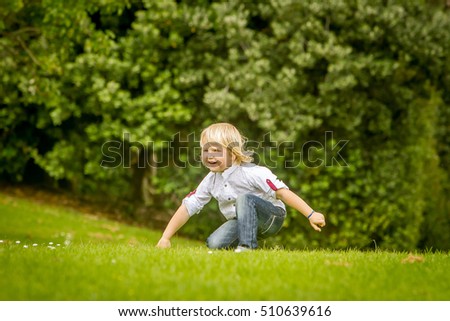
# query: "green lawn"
93 258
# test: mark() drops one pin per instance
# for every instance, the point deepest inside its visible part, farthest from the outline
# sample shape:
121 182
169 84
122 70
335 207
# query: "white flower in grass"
51 247
58 244
1 241
50 243
35 244
25 246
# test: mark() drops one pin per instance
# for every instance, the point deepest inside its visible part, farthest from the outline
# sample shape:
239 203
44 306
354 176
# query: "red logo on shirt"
272 185
191 193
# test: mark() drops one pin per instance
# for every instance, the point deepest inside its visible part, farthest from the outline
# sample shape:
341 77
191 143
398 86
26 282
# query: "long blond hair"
229 137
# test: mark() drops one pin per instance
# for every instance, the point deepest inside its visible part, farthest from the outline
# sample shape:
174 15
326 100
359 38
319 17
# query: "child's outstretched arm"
317 220
180 217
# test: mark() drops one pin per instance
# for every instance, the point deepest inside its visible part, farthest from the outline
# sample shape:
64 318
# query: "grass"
100 259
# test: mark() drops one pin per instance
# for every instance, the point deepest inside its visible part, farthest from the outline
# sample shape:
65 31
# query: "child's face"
216 157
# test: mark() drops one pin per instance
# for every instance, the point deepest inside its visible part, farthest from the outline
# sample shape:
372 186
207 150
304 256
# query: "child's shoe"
241 249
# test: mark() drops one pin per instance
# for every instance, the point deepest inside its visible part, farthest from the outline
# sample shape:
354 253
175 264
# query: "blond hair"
229 137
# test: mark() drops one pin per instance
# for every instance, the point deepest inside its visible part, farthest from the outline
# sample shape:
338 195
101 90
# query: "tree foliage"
86 82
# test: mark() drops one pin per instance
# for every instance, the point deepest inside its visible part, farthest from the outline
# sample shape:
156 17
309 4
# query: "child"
250 197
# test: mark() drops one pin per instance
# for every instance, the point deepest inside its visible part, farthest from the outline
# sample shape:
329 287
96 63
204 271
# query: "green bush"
88 82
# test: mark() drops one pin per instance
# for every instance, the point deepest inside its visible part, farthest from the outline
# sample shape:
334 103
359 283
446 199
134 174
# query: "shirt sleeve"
263 179
199 197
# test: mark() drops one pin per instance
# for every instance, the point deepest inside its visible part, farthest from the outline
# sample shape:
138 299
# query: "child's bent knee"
244 198
213 244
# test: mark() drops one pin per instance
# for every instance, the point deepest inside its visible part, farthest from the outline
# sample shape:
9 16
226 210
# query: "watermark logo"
187 152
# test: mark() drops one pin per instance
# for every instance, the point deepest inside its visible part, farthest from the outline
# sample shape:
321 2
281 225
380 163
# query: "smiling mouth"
212 163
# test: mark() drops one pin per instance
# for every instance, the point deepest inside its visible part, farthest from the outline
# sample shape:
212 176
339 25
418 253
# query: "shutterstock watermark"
187 152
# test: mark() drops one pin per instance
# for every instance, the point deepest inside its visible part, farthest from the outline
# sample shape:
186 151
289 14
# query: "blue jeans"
255 219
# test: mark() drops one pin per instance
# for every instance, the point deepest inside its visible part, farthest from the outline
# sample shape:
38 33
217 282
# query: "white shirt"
236 180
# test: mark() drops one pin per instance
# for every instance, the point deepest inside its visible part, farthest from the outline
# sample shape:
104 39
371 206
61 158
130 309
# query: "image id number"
295 311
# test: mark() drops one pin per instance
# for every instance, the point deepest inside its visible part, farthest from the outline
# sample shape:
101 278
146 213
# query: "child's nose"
213 154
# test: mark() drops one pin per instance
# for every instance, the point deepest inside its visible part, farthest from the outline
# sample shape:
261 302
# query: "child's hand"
317 220
163 243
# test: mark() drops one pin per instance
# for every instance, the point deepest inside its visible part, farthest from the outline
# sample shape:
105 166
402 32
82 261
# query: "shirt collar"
226 173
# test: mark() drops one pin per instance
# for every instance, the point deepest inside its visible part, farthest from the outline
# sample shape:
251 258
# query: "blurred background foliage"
132 84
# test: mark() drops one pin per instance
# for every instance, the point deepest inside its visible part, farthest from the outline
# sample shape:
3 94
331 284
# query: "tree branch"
28 51
20 31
